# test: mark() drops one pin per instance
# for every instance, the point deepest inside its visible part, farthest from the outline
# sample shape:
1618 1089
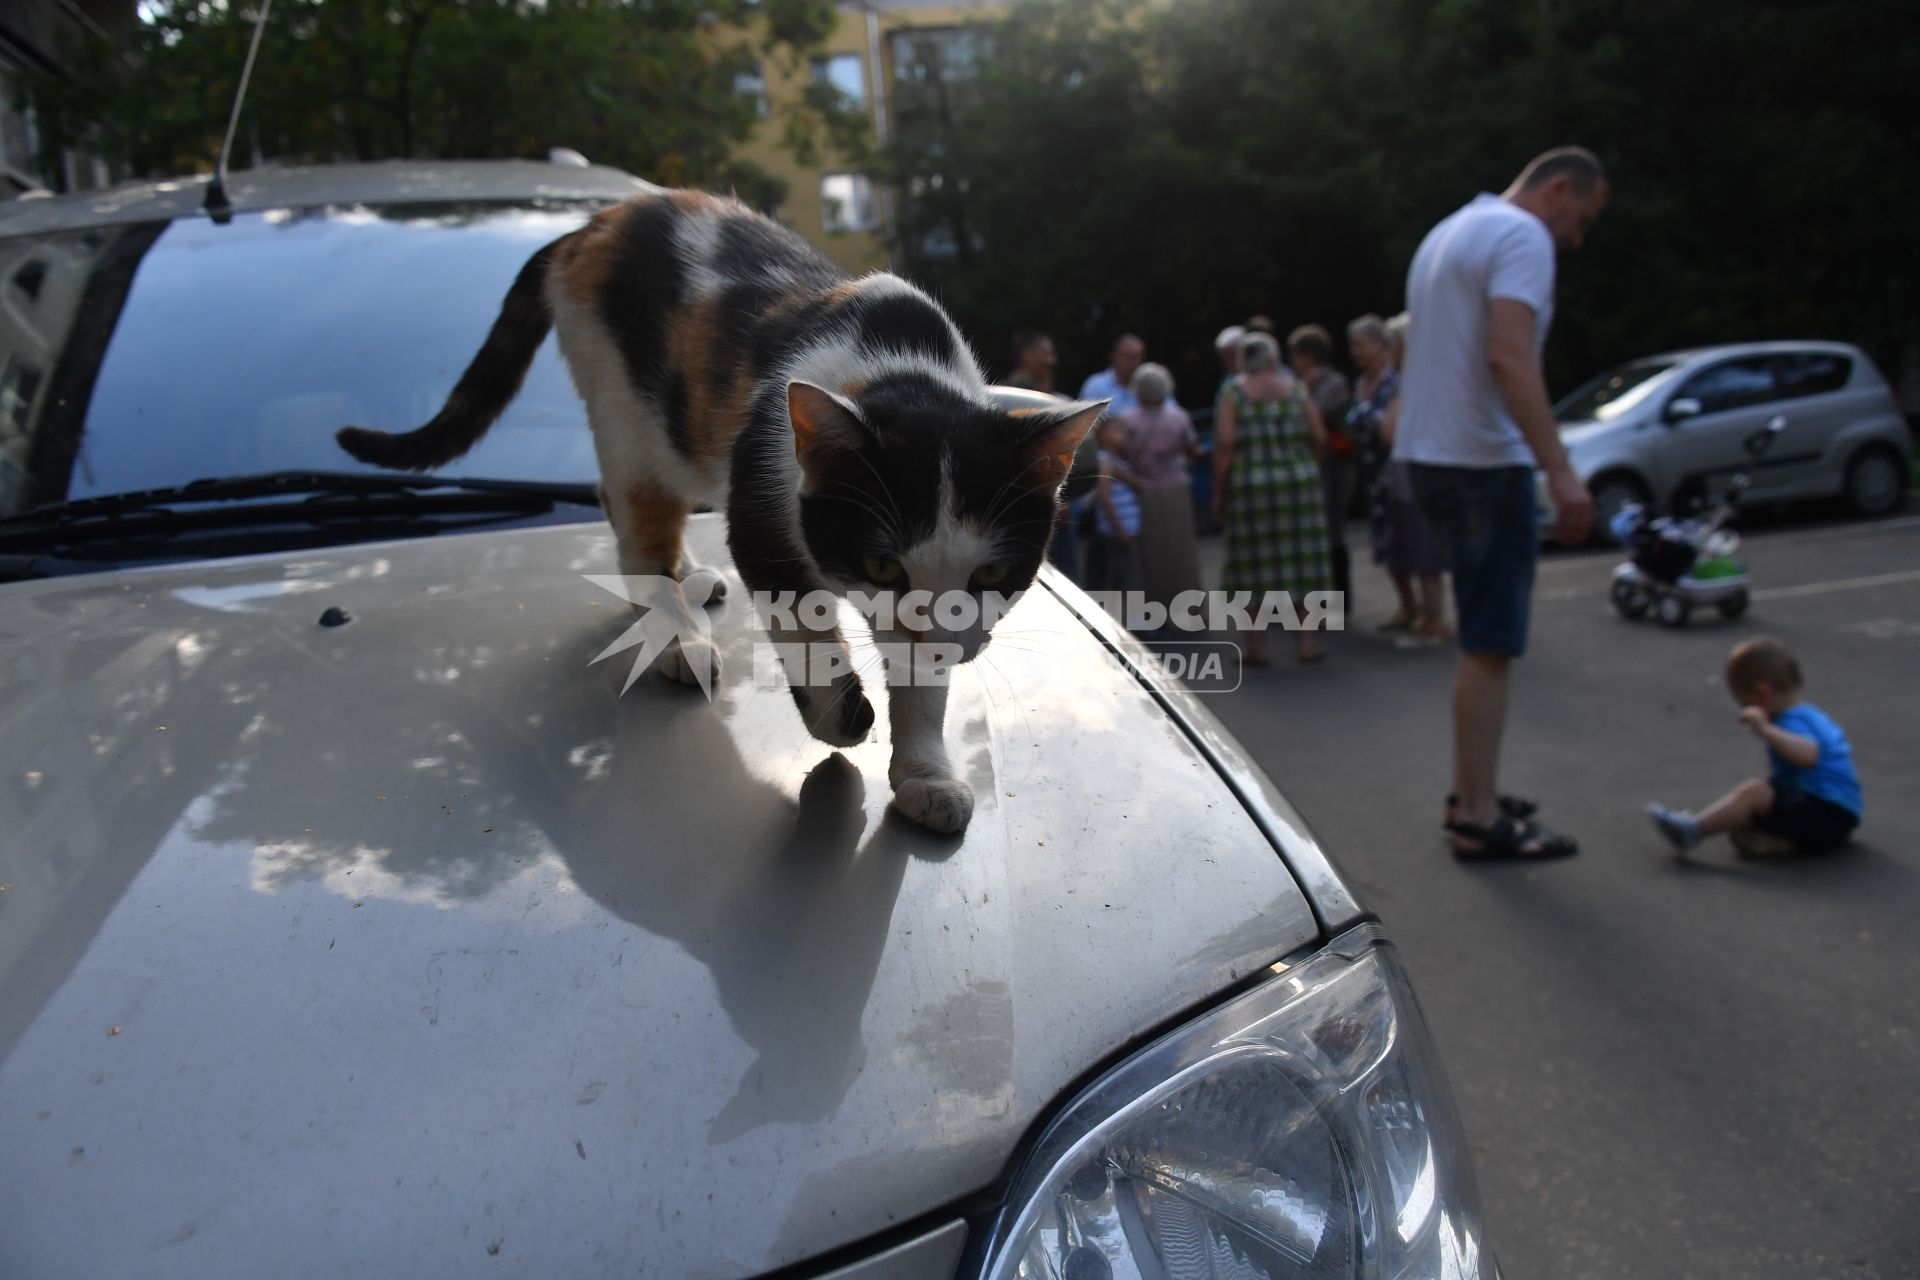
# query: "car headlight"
1303 1130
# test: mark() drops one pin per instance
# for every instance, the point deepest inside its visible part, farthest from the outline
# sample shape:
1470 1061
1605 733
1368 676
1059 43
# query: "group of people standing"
1291 435
1142 503
1447 429
1293 442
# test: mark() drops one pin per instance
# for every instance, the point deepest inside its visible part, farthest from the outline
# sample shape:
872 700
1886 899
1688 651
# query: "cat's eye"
991 574
882 569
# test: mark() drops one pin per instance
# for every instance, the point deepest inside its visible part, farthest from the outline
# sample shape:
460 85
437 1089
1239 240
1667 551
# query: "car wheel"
1734 605
1876 481
1610 493
1629 600
1672 611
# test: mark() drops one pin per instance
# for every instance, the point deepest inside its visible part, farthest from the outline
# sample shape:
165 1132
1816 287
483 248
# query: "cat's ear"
825 425
1052 436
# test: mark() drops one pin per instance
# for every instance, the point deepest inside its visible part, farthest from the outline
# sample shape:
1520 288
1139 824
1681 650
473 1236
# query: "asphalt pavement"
1703 1068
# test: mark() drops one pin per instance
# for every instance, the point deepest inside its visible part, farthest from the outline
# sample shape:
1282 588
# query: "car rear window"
1811 373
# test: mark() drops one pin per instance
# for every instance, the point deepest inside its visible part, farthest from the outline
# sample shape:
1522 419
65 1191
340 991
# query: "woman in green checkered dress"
1267 488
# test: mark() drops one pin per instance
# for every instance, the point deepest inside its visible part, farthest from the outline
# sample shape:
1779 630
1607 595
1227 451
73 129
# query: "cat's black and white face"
910 488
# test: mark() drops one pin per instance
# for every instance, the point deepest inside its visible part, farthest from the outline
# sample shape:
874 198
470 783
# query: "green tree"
1171 168
646 85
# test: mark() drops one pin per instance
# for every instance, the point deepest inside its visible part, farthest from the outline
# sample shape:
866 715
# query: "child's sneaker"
1682 828
1752 842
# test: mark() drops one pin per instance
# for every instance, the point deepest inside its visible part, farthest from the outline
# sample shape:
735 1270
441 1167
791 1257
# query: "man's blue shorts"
1489 527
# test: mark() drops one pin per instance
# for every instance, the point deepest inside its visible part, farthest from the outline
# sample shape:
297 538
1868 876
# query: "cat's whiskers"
1019 645
1007 491
1012 693
1014 648
886 491
851 687
887 525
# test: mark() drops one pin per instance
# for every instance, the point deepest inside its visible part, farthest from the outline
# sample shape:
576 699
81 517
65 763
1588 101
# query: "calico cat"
842 424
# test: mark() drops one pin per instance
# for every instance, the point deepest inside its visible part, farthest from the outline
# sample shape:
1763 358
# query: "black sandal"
1510 839
1512 806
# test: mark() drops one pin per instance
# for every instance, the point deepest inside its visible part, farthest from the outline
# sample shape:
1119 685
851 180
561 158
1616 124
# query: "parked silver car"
352 922
1641 432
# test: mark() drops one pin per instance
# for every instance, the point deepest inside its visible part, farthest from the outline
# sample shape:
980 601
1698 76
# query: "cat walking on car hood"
843 426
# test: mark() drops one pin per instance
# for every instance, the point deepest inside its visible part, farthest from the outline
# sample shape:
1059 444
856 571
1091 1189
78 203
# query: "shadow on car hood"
400 944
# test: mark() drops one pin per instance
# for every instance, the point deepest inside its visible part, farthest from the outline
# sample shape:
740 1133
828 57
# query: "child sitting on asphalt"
1810 801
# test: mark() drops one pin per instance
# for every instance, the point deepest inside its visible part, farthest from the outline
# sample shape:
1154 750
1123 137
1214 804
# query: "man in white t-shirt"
1474 424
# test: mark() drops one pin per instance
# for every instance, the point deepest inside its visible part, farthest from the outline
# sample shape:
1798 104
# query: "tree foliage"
646 85
1174 167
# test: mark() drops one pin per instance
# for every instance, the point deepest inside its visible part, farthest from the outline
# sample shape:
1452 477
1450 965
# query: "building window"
30 276
752 84
943 53
17 389
19 139
847 203
844 72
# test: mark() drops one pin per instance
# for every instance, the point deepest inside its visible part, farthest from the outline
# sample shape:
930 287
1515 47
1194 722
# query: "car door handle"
1778 422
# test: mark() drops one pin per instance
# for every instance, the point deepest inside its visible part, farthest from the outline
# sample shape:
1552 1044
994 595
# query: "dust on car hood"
410 943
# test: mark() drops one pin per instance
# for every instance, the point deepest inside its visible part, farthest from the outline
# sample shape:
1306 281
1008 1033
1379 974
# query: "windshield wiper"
280 483
19 568
311 498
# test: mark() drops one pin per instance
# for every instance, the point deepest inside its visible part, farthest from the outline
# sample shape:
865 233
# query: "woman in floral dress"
1267 488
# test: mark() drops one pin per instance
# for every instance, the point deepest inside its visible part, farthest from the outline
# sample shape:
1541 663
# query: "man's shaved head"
1565 188
1579 166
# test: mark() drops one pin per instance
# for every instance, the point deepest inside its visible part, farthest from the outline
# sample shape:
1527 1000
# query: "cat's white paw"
839 714
938 804
702 586
688 659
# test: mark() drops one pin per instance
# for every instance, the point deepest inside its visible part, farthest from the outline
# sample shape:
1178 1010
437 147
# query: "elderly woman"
1310 351
1374 391
1160 442
1404 542
1267 488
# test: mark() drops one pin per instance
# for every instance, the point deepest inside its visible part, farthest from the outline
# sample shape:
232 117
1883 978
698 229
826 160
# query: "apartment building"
38 37
878 58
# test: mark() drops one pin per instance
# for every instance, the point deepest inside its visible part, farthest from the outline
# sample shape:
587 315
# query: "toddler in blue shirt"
1810 800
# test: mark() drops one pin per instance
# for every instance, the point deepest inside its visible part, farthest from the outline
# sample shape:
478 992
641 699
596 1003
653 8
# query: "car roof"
1728 350
275 187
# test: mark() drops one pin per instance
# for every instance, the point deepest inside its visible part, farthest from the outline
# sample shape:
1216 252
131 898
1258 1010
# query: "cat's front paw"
691 660
838 714
938 804
702 586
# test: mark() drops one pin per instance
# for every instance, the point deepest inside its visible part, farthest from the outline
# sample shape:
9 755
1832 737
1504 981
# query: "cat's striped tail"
490 383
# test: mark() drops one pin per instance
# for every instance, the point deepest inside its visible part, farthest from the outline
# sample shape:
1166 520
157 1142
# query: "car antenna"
218 207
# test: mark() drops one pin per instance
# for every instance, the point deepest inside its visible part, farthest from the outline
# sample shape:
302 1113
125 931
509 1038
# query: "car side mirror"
1683 408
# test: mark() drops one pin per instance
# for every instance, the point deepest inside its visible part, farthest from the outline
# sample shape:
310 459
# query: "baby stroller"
1685 561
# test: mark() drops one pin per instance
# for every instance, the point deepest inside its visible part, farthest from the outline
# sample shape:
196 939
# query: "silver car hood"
1579 433
407 945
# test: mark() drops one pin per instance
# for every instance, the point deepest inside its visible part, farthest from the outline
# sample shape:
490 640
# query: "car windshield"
149 355
1613 393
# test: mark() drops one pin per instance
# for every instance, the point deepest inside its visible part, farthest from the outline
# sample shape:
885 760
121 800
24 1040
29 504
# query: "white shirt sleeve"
1523 267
